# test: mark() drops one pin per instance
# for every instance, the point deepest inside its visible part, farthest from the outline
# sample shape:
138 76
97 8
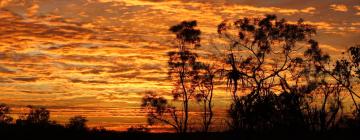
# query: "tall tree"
182 69
204 96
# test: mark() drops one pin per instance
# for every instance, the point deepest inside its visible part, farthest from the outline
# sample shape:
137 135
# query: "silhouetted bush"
77 123
4 114
138 129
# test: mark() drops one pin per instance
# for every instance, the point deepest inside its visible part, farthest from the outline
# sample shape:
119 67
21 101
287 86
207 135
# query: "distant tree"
4 114
138 129
36 116
77 123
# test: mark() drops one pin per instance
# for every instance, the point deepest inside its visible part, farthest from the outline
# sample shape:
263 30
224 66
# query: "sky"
97 58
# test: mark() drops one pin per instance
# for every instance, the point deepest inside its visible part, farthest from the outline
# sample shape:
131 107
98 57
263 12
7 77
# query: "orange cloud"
339 7
357 7
4 3
32 10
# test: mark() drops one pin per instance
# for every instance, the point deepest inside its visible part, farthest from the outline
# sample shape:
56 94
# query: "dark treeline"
282 85
36 125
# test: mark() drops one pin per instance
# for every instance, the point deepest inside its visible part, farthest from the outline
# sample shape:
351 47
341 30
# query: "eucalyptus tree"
260 52
270 74
205 80
184 70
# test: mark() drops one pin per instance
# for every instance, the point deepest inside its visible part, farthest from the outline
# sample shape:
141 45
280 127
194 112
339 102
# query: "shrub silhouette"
37 116
4 114
77 123
138 129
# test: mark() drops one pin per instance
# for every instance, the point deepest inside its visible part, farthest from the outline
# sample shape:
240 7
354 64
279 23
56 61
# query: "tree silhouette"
320 117
260 53
204 81
272 85
138 129
4 114
254 45
77 123
355 59
264 63
333 82
39 116
183 69
158 109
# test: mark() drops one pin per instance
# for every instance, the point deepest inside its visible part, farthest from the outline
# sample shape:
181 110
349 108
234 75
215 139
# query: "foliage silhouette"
310 99
37 116
272 85
260 53
204 81
4 114
77 123
193 80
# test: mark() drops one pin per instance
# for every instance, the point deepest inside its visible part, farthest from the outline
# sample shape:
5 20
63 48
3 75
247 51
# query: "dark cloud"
88 81
6 70
92 71
5 80
26 79
129 75
151 66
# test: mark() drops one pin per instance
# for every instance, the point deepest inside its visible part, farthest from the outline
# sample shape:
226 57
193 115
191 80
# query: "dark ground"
61 133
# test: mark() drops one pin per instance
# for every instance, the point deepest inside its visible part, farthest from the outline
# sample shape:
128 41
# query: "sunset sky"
97 58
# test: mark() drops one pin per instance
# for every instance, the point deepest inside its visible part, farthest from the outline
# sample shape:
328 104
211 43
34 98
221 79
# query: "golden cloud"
339 7
32 10
357 7
4 3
